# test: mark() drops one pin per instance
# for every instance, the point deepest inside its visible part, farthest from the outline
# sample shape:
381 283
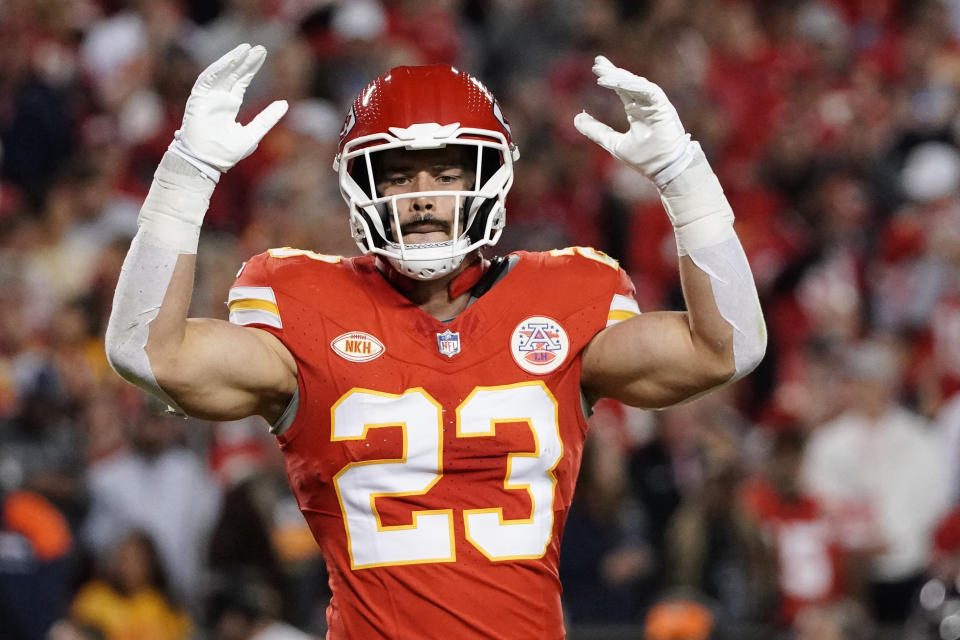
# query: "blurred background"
814 500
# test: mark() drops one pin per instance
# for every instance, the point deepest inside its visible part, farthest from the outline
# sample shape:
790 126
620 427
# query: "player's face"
425 218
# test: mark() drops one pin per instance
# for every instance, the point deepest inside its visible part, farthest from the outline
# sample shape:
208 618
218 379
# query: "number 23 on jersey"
430 538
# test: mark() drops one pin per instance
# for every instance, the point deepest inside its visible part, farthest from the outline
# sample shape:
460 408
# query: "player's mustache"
425 223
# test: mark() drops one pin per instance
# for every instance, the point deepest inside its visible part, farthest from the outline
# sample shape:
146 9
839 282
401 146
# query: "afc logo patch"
539 345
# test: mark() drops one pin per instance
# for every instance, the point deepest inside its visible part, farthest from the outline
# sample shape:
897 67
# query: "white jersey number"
430 536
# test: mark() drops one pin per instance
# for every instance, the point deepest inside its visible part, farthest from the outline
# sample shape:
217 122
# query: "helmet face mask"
418 108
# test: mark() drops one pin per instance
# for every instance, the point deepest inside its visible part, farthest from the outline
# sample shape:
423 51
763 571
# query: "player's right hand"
210 138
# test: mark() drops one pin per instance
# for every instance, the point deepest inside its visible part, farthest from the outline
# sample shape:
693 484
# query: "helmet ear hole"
362 177
478 228
490 162
358 171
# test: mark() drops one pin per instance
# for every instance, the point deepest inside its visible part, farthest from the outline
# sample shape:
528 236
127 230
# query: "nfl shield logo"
448 343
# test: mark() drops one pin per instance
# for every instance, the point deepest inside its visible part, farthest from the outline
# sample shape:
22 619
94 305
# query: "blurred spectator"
275 540
714 546
920 243
523 41
243 607
842 620
67 629
39 93
947 428
161 487
35 569
924 267
935 608
809 392
879 470
40 445
604 551
240 21
241 538
662 471
131 598
809 558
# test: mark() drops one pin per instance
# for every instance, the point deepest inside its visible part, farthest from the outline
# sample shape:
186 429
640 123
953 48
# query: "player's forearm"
168 330
710 333
723 307
156 282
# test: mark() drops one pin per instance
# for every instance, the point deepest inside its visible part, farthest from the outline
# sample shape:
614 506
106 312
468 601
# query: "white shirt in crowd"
890 474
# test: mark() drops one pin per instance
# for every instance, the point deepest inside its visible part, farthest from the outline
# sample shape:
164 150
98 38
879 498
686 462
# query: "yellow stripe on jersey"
622 308
619 316
254 305
265 305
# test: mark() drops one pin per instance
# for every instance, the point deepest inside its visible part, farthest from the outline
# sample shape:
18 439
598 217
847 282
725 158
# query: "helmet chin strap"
429 261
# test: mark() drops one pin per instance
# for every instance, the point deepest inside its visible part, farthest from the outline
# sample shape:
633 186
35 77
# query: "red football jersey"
435 462
809 555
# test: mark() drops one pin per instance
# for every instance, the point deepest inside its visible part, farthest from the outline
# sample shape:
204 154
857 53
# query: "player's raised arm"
662 358
203 367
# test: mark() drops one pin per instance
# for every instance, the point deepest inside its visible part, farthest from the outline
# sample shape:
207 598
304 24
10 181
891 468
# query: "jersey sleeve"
253 300
604 276
623 305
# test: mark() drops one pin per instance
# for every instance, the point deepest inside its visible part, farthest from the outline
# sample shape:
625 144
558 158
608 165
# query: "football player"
431 402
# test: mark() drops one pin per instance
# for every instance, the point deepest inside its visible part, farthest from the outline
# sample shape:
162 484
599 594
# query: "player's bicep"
225 371
651 360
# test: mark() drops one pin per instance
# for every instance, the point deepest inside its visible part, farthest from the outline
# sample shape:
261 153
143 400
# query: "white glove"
210 137
656 144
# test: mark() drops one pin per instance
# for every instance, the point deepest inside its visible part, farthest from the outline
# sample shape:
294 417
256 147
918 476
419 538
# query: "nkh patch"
539 345
448 343
357 346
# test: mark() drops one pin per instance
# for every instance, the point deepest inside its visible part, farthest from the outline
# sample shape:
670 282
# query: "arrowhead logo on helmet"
348 124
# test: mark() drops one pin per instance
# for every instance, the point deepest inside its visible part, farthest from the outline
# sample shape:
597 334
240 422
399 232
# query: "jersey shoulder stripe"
254 305
622 308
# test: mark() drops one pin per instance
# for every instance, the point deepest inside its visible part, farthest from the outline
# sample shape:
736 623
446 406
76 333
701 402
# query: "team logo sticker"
348 124
539 345
357 346
448 343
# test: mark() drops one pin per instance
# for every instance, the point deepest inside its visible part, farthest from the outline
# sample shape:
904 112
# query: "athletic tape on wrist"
736 296
144 279
174 208
182 149
678 165
696 205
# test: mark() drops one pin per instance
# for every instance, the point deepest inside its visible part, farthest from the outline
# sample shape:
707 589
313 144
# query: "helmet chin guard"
416 108
428 261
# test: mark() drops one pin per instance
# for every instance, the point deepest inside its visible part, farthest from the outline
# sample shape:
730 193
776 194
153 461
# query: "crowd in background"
814 500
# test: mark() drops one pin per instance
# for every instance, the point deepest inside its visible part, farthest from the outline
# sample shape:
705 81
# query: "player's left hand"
656 144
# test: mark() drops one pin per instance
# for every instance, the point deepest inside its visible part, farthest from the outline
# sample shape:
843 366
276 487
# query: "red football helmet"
426 107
